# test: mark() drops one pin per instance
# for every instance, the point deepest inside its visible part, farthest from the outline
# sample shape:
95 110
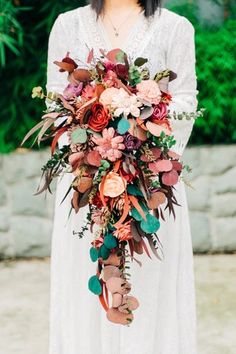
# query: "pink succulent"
109 145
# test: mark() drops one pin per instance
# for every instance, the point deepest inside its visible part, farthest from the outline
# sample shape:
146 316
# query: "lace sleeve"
181 60
56 80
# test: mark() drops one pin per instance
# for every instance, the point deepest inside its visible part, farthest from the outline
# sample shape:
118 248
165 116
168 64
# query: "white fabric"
165 321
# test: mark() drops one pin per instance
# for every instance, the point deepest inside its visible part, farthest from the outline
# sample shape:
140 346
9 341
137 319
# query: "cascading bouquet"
119 152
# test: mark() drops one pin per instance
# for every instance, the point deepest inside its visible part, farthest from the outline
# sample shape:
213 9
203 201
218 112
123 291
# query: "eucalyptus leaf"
110 241
94 285
104 252
93 254
123 126
151 225
79 136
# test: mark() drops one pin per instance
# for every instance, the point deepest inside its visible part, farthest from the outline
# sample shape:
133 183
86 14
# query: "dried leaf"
75 201
84 184
32 131
48 123
153 248
66 104
134 231
84 199
90 56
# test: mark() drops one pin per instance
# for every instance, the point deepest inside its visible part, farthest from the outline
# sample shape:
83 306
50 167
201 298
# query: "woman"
165 321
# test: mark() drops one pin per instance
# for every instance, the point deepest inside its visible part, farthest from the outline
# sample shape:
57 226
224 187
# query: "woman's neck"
113 5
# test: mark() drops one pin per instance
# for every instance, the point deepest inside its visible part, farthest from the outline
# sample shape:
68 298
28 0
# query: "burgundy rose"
99 117
131 142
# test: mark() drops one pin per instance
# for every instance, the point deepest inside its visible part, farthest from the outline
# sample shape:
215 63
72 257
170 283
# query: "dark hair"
149 6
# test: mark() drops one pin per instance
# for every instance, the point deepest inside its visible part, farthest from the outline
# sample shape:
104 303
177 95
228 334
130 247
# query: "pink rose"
160 111
107 95
148 90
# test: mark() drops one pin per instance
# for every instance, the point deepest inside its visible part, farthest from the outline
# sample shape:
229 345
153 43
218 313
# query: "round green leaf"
151 225
94 285
79 136
110 241
104 252
93 254
123 126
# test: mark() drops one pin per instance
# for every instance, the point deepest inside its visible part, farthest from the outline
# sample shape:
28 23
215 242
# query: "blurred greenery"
24 30
216 65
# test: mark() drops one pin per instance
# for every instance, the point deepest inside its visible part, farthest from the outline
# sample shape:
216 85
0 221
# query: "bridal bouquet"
120 154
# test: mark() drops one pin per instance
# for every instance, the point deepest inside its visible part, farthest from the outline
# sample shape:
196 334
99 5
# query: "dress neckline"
131 33
138 39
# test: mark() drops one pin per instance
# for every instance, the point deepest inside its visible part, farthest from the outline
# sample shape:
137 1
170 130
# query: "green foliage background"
24 30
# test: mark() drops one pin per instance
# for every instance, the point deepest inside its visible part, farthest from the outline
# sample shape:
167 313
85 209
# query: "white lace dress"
165 320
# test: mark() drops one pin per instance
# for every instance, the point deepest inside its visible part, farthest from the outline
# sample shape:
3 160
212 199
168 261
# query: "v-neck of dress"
137 40
131 33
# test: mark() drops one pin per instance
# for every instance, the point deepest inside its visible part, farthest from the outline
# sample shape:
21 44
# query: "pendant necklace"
116 29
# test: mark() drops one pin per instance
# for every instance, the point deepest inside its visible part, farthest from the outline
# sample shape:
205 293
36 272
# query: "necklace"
116 29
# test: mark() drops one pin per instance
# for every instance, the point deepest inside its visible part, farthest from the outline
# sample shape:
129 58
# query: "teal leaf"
93 254
79 136
151 225
123 126
135 214
94 285
110 241
104 252
133 190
